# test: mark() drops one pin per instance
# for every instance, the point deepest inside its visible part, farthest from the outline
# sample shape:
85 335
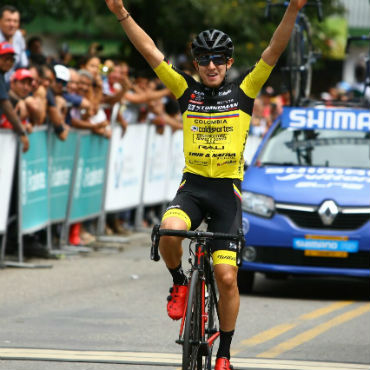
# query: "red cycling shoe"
176 301
223 363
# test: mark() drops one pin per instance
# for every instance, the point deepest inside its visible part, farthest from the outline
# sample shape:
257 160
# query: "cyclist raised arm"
216 115
281 36
139 38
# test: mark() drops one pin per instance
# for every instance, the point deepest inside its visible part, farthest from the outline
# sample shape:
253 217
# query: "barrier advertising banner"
157 160
126 167
61 163
88 187
176 164
8 145
34 195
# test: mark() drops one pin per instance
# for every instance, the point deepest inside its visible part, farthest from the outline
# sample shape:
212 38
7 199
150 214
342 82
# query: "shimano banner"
326 119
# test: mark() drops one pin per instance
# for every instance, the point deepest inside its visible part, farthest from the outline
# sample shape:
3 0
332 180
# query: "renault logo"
328 211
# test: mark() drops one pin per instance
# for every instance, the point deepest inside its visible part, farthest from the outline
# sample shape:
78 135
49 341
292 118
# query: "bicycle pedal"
179 341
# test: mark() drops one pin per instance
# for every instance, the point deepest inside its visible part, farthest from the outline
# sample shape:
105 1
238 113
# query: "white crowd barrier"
8 145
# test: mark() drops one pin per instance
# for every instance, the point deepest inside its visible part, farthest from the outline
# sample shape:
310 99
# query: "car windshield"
320 148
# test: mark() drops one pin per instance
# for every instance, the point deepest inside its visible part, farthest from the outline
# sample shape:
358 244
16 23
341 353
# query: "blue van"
306 197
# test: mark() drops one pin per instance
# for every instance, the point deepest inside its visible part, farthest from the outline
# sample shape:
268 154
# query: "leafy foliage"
173 24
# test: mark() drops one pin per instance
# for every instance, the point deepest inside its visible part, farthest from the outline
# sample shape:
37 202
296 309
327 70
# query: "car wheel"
245 281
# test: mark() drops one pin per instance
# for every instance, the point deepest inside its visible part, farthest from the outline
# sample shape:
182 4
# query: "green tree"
173 24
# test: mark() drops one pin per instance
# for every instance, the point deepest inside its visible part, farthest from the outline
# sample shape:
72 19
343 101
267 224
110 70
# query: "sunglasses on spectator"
217 59
62 82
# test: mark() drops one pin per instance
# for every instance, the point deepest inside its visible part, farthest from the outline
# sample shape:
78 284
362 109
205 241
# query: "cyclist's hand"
298 3
115 6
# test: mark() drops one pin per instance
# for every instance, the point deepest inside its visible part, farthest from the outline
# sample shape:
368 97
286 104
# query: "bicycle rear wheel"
191 359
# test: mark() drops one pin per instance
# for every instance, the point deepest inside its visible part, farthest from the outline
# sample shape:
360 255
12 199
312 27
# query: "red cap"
21 74
6 48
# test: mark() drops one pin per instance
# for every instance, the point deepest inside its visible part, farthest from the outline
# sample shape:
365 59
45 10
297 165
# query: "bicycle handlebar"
316 3
157 233
199 235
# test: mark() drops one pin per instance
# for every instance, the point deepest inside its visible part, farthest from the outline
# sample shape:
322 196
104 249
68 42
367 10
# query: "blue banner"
61 164
88 187
326 119
34 194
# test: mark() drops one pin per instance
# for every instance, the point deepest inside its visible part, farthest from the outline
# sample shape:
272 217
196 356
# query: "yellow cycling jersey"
215 121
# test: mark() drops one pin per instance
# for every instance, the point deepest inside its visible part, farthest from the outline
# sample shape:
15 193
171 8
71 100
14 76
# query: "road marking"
163 359
274 332
314 332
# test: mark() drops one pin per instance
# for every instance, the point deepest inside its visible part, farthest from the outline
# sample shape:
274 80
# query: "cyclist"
216 116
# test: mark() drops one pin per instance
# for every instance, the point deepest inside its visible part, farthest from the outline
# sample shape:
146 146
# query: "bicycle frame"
198 330
200 262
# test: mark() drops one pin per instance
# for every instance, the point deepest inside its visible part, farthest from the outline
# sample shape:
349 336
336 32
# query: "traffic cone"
74 234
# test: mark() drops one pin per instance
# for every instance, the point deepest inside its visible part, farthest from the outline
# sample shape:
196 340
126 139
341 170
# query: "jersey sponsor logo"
212 108
326 119
196 102
191 154
212 147
210 122
198 163
212 130
210 139
223 93
226 162
194 128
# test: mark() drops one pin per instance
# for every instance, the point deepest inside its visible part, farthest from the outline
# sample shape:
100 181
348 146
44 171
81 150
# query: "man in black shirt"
6 62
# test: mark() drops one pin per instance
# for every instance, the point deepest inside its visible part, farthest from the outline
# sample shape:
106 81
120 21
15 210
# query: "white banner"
176 163
8 145
126 167
157 164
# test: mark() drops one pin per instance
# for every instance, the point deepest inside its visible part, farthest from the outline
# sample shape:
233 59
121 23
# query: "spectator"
10 32
54 81
7 54
37 101
34 51
80 118
20 88
71 95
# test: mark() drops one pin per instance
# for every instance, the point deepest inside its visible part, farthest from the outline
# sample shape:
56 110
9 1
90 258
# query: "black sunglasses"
62 82
217 59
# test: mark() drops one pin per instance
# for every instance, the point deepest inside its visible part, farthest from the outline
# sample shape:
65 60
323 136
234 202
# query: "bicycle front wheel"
191 359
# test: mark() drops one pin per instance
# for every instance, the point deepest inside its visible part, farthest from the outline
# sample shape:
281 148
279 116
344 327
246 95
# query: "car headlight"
258 204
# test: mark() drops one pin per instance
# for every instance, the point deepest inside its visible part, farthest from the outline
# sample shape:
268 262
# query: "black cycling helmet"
212 41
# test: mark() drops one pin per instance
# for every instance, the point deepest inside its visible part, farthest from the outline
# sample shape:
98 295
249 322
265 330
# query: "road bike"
300 53
198 329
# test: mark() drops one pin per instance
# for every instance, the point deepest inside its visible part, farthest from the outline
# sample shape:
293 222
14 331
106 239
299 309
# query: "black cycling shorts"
218 198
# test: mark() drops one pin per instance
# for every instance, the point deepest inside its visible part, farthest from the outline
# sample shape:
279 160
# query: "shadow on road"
322 288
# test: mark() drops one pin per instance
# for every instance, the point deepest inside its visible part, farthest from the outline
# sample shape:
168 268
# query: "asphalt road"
105 309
